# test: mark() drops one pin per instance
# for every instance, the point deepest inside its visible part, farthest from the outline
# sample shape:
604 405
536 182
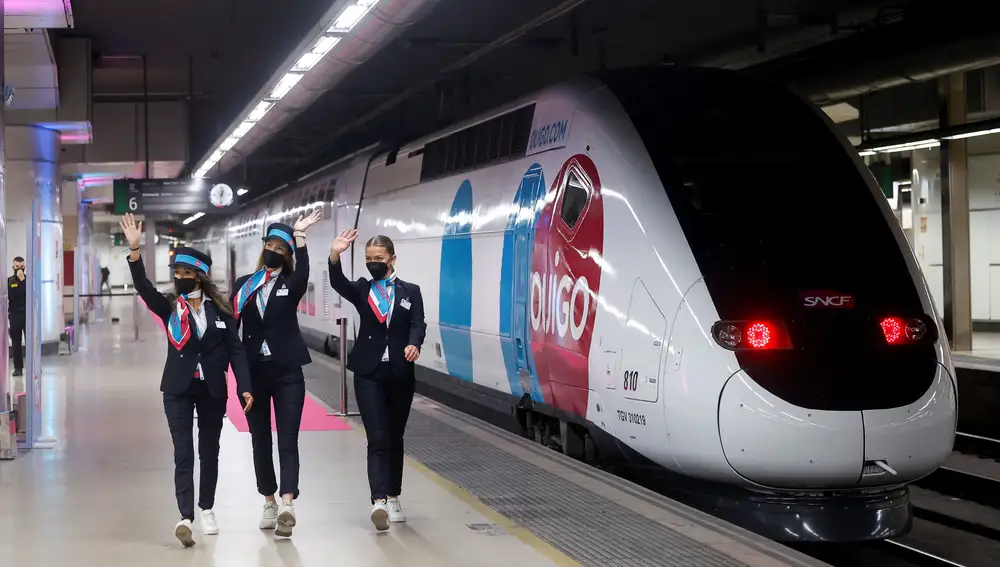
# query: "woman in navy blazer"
266 302
202 343
389 338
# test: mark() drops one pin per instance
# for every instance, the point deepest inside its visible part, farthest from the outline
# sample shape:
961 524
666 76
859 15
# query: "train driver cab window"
574 200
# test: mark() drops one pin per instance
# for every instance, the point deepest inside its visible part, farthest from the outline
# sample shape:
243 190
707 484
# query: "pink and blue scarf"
179 325
380 298
248 289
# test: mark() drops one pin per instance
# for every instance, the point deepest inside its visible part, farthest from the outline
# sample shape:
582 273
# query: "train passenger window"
328 198
574 200
502 137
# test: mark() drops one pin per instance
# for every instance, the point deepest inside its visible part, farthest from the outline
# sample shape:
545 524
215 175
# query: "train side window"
328 198
574 200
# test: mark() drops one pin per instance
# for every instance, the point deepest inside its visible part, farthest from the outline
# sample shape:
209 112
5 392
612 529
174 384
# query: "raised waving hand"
133 231
305 222
342 243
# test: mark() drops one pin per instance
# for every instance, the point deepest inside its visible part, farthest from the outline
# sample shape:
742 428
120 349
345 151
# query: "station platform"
984 356
474 495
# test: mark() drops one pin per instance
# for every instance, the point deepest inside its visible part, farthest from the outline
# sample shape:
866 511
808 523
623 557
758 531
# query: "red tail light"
751 335
899 331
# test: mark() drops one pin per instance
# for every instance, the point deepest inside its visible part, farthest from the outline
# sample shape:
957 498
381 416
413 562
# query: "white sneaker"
269 520
286 520
380 515
396 515
208 524
184 533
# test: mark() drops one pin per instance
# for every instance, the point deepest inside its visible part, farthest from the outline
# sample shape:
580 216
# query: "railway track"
957 510
953 507
917 557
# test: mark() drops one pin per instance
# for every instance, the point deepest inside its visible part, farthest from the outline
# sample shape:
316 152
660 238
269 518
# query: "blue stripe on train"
456 285
515 282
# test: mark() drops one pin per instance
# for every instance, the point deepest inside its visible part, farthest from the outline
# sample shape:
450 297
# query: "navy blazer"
216 350
406 326
280 325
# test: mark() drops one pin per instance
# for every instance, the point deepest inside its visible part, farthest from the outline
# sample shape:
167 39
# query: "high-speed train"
682 266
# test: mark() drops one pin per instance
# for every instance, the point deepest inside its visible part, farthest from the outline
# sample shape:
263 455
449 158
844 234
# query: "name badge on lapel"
282 292
405 304
220 324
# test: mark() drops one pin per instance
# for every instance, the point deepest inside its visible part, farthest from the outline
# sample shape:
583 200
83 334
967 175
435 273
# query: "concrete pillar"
32 161
89 263
955 216
90 269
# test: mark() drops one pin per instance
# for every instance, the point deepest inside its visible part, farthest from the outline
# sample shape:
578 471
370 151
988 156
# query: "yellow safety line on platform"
525 535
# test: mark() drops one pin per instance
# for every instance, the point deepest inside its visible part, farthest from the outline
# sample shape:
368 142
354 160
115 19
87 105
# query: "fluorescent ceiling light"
309 59
348 18
928 143
193 218
243 128
260 110
229 142
907 147
242 191
325 44
973 134
284 85
351 15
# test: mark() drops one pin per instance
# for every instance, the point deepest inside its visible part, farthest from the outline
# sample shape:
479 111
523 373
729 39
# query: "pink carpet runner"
314 417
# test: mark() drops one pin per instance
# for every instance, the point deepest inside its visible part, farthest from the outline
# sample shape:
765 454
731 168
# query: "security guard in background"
16 305
202 343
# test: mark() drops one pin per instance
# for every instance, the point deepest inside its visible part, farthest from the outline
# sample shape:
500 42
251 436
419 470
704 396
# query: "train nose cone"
777 444
774 443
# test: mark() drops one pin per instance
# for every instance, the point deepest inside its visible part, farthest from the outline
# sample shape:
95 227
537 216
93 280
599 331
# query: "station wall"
116 260
984 228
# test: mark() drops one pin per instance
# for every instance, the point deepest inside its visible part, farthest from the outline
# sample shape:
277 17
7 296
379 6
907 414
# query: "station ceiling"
459 57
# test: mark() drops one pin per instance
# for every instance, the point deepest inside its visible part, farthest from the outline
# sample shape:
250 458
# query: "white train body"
579 267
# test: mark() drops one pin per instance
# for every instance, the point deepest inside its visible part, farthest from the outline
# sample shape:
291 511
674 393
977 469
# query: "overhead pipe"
768 43
923 45
915 66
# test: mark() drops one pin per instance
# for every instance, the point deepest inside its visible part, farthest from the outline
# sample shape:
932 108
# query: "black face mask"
184 286
273 259
378 270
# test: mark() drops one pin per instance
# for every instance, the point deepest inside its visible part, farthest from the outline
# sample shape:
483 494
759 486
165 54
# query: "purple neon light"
84 138
33 7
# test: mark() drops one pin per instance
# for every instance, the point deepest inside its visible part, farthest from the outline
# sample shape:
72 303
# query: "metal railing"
135 315
343 371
